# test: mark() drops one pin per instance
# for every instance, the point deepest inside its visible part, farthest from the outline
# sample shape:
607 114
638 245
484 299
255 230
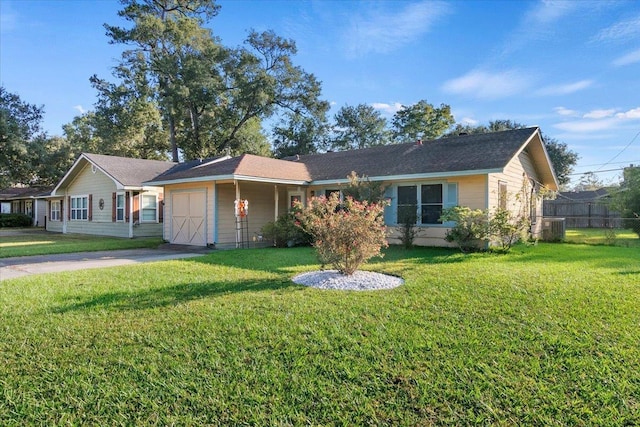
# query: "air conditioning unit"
553 229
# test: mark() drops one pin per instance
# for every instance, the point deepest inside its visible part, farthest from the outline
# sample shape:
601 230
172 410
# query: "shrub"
345 234
471 230
15 220
407 220
506 228
362 189
285 233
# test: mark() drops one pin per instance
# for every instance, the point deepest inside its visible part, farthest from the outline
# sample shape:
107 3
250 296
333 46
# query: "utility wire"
621 151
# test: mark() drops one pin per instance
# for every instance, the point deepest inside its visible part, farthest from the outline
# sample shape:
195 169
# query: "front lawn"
603 236
546 335
47 243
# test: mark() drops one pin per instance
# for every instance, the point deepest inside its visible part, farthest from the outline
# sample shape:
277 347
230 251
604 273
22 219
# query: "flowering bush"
345 234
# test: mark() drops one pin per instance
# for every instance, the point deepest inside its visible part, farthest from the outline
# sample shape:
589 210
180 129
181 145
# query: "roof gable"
124 171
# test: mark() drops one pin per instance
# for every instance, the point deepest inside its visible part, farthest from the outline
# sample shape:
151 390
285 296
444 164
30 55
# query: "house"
30 201
481 171
105 195
584 209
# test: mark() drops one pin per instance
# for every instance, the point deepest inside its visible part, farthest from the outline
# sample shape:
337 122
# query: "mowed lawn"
27 242
545 335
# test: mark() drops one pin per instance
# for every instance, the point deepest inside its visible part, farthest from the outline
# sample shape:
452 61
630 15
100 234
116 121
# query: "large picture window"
420 204
55 210
79 208
120 206
149 208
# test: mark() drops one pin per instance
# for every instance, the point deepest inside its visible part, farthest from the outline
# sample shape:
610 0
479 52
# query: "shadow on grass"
171 295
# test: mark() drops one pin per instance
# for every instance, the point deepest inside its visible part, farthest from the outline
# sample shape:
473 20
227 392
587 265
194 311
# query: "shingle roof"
127 171
244 165
24 192
453 154
468 153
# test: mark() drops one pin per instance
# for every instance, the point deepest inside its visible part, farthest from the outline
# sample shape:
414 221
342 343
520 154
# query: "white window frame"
291 195
82 211
142 207
55 210
121 208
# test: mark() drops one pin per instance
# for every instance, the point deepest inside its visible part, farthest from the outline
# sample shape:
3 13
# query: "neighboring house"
480 171
105 195
584 209
30 201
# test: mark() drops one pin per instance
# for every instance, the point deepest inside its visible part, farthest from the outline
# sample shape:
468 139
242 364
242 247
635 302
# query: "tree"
210 96
361 126
299 134
627 199
562 158
421 121
588 182
21 140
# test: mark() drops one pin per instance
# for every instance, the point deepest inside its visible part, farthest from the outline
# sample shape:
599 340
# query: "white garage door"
188 215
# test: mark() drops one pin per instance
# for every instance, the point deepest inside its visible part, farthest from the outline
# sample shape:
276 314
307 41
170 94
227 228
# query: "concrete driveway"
39 264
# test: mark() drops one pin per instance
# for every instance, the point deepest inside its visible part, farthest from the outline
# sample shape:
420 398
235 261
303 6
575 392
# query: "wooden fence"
582 214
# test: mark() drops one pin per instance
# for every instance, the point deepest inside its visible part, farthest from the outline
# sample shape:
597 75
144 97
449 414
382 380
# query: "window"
426 200
28 208
149 208
502 194
79 208
328 193
407 204
533 202
55 210
431 204
120 206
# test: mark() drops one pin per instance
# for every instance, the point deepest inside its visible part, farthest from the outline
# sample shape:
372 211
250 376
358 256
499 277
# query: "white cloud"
565 112
80 109
599 120
469 121
489 85
620 31
580 126
382 31
564 89
629 115
387 108
629 58
549 11
599 114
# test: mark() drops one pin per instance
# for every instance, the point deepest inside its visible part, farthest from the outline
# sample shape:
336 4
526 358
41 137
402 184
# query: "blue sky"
570 67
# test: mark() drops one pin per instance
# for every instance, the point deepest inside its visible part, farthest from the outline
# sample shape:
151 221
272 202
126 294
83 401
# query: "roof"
124 171
246 165
457 155
13 193
585 196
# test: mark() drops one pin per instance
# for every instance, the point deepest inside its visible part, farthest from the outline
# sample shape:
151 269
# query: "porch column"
130 214
277 202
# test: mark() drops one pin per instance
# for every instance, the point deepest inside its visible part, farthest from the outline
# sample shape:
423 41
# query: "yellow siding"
226 195
472 191
100 186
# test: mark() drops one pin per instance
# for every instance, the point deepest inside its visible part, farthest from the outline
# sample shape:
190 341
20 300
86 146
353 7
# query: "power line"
621 151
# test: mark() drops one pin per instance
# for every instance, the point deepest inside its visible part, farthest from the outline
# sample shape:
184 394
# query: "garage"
188 217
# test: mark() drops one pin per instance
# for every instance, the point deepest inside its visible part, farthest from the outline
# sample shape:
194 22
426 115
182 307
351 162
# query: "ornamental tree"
345 233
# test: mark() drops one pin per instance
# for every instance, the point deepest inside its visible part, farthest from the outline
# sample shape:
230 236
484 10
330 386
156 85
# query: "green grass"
546 335
601 236
44 243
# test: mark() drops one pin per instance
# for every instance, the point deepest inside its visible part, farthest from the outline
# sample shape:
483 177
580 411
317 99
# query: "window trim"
56 212
73 210
142 208
124 206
